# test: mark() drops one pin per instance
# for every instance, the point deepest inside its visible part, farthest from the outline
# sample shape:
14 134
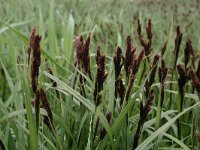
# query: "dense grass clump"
117 79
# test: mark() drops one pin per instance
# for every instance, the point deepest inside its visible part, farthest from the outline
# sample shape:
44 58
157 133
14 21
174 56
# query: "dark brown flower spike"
163 49
36 60
178 40
139 28
162 71
181 84
82 54
153 68
152 74
117 62
146 45
187 52
119 90
182 75
83 60
86 57
78 43
31 43
137 62
46 105
149 30
144 110
195 81
129 56
134 69
101 76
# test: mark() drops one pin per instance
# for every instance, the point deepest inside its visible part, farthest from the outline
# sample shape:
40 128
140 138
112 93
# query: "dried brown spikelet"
162 71
78 44
144 110
98 53
187 52
182 76
117 62
163 49
153 68
139 28
101 76
101 71
86 56
129 56
149 30
178 40
36 59
195 80
147 107
150 81
46 105
31 43
137 62
145 45
48 123
119 90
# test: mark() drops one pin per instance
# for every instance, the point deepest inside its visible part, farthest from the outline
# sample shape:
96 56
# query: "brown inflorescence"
187 51
82 54
146 44
136 63
182 76
31 43
120 90
163 49
144 110
152 74
177 43
117 62
162 73
36 60
139 28
129 56
149 30
134 69
45 104
195 80
101 76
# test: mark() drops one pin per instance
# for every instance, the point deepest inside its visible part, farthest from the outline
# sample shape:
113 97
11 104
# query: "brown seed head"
117 62
139 28
178 40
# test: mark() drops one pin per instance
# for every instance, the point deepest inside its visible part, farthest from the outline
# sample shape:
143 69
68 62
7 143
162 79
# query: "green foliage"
78 121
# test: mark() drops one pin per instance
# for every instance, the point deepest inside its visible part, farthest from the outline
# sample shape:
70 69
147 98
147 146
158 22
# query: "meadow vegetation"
99 74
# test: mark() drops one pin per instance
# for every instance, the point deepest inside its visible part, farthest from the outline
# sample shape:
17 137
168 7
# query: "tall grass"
127 77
